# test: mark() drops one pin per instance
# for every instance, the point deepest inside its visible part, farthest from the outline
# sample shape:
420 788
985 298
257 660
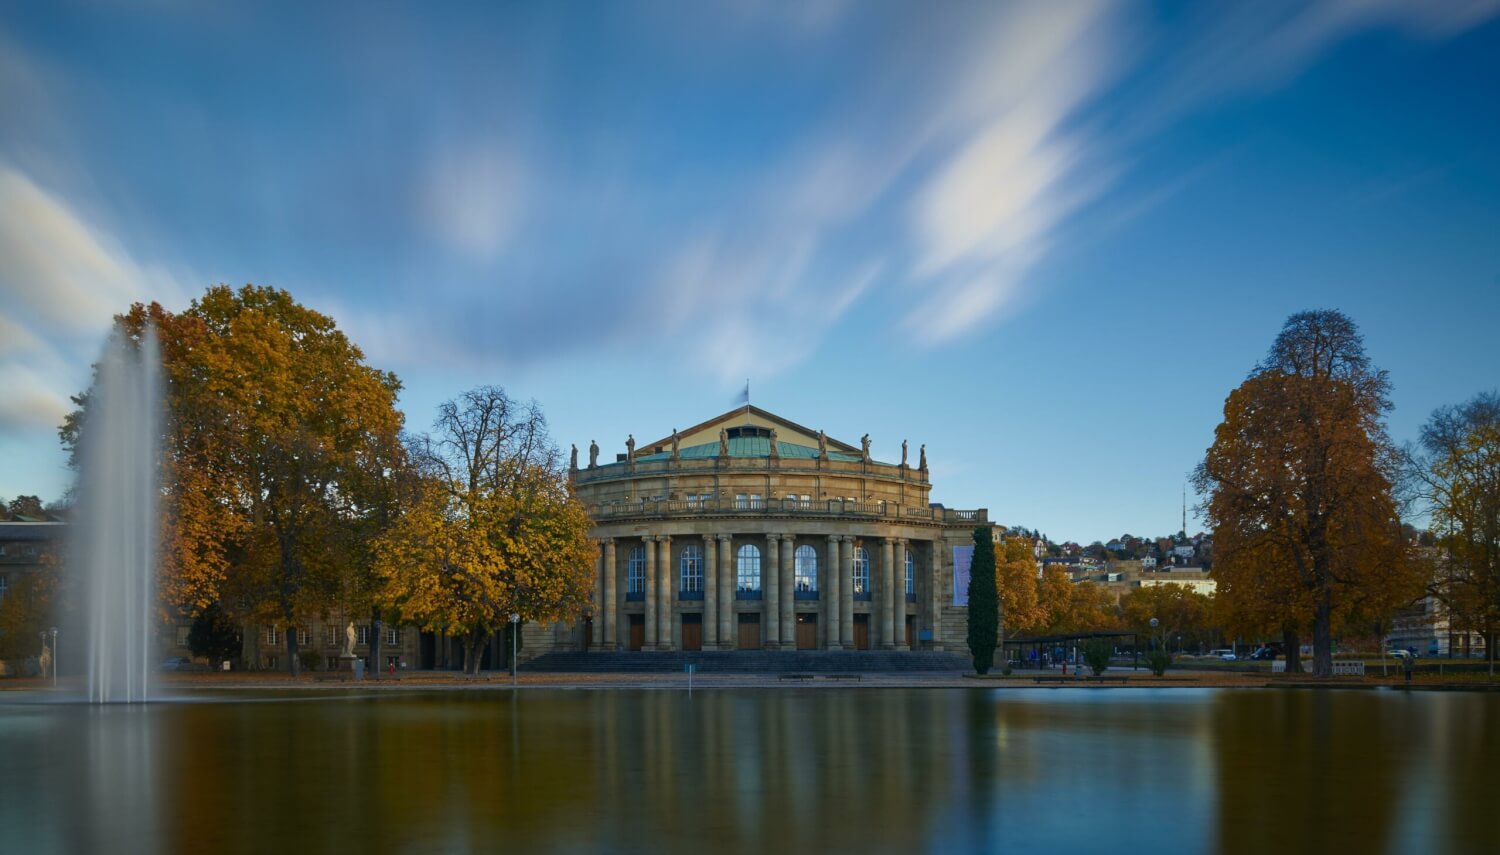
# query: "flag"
744 396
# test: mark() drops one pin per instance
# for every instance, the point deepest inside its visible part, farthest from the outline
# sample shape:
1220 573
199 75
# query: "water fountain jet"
117 532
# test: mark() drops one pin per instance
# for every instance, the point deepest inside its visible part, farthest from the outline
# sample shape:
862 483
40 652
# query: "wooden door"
692 632
749 632
911 631
588 633
807 632
861 632
637 632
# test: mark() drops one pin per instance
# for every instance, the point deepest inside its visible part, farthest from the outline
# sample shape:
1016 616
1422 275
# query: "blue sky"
1044 239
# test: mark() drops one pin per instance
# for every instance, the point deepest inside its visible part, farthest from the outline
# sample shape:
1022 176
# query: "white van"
1226 654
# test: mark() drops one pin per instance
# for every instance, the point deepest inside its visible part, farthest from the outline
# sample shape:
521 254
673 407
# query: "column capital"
710 536
607 541
772 538
664 538
724 538
835 538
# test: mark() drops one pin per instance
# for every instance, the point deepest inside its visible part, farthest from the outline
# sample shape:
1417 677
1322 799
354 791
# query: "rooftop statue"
630 448
573 459
723 442
923 465
864 444
675 441
822 445
593 454
903 452
775 451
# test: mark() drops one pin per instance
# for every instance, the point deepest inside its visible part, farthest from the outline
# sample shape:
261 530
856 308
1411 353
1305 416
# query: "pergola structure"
1042 642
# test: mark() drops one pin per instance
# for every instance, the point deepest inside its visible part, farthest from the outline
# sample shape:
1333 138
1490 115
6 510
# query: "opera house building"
749 531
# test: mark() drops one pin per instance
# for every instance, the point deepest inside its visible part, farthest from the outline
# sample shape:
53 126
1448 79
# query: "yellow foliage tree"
280 447
496 530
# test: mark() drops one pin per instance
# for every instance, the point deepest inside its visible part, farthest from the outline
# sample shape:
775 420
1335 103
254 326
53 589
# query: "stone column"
830 595
649 544
846 594
888 593
710 593
899 571
665 589
788 592
938 593
770 591
611 604
600 630
726 592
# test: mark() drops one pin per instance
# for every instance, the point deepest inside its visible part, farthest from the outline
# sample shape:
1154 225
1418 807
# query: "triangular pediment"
748 414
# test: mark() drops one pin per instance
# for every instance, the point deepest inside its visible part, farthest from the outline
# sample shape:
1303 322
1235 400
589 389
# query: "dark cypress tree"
984 602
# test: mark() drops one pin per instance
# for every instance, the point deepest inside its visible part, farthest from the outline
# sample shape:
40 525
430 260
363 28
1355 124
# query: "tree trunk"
1323 637
1293 644
375 639
293 664
471 653
250 647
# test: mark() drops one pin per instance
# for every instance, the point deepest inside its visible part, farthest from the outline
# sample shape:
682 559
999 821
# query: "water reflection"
769 771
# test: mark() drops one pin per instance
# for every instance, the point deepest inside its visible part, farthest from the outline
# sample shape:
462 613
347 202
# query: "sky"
1043 239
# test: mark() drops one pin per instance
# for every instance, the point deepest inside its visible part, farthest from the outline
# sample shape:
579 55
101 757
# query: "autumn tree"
1299 486
1455 475
1016 581
495 529
984 602
279 441
1179 610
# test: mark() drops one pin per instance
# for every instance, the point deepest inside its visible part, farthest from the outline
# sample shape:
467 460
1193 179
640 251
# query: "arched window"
862 573
635 577
692 568
911 575
807 569
749 569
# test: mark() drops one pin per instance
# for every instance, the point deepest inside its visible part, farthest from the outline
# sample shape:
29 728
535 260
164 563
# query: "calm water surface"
770 771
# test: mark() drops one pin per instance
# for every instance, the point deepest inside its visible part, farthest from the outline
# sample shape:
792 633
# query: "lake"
770 771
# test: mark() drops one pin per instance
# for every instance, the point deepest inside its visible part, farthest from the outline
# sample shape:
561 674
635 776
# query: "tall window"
393 636
273 635
911 574
861 572
748 501
362 634
692 568
330 636
304 636
635 577
807 569
749 568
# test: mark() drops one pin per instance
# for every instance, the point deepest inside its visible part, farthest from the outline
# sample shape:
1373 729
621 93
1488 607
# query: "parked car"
1401 654
1263 653
1226 655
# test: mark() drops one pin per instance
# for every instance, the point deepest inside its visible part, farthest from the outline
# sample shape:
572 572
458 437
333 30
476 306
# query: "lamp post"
515 626
1154 638
54 657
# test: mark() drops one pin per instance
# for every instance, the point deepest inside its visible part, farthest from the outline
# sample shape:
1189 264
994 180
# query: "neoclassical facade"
749 531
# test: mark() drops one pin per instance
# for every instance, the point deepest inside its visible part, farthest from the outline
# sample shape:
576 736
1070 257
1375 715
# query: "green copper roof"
747 446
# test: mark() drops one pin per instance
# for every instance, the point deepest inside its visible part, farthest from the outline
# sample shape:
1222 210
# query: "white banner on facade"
963 556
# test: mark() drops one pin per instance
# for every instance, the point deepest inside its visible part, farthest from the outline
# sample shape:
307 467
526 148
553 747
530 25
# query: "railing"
613 470
790 507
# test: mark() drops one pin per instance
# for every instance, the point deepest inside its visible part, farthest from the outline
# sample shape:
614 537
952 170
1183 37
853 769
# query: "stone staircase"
751 662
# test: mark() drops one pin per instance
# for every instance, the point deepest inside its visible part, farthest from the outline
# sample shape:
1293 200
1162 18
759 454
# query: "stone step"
750 661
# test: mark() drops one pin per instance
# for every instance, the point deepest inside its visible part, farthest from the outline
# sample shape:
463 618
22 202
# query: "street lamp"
515 626
1154 623
54 657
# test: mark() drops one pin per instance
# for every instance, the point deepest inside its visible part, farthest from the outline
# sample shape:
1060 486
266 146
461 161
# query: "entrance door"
807 631
692 632
637 632
749 632
588 633
911 632
861 632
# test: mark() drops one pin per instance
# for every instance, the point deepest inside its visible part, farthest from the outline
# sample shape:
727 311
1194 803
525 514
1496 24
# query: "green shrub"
984 602
310 659
1096 652
1158 661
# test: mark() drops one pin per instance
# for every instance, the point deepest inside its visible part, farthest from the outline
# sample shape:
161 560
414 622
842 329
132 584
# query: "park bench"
854 677
335 677
796 676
